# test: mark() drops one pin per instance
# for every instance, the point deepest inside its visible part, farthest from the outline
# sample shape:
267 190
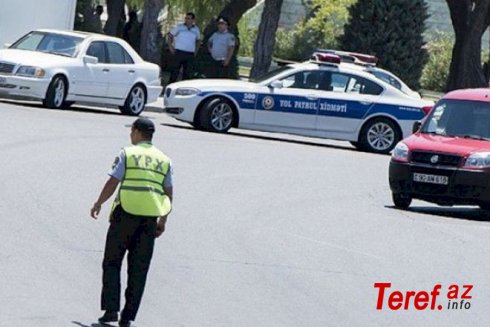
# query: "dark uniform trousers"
219 70
182 59
136 235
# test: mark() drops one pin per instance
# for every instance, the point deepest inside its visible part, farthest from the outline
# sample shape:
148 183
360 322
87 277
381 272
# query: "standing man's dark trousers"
136 235
182 59
220 70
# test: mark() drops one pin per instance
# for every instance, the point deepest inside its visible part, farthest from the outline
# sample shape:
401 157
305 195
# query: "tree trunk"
114 10
470 19
150 34
266 38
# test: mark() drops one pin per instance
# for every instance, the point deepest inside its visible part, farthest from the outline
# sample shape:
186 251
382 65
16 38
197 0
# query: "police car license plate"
432 179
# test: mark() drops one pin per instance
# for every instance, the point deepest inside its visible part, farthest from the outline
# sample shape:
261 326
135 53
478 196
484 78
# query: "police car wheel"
379 135
401 201
217 115
135 102
56 93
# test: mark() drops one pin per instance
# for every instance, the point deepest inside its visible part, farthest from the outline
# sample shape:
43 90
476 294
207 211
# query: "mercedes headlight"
186 91
478 160
30 71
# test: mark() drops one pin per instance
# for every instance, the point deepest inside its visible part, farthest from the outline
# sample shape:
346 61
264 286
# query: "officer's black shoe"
124 323
109 316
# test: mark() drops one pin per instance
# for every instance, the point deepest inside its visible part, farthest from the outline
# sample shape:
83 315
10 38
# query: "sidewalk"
156 106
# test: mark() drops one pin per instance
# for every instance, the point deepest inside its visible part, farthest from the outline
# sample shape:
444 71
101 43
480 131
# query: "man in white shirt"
183 42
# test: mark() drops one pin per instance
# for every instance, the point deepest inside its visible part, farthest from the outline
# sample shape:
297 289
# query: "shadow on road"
270 138
105 111
77 107
473 214
92 325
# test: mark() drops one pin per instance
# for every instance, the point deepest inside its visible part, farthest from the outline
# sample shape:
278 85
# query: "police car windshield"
270 74
459 118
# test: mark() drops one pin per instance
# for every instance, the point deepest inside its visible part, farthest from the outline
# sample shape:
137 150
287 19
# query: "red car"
447 160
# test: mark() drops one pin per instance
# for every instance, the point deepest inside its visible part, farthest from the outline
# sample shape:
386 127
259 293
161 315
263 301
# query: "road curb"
156 106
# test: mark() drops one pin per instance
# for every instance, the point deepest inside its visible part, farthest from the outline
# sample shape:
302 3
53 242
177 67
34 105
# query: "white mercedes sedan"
64 67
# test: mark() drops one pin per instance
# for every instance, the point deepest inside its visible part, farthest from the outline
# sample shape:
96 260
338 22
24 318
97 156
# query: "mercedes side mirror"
90 59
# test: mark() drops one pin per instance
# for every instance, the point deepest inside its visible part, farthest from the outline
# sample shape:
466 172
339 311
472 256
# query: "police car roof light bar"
326 58
353 57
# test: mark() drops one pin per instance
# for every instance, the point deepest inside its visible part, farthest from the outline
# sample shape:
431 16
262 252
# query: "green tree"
436 70
299 43
392 31
247 37
321 28
205 10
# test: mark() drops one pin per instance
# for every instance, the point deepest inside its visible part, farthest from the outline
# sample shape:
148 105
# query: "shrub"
321 28
436 71
247 42
299 43
392 31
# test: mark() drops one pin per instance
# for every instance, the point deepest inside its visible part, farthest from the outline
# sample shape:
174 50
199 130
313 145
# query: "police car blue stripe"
245 100
400 112
321 107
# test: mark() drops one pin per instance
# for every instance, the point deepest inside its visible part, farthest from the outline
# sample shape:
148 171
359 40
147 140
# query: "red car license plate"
432 179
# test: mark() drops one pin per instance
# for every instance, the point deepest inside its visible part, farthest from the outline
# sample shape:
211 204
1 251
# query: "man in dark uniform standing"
221 46
139 215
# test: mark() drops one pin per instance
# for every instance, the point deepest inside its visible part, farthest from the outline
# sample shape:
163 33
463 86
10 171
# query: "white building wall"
21 16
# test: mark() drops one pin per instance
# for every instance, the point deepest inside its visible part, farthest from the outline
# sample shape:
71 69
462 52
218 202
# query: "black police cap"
144 125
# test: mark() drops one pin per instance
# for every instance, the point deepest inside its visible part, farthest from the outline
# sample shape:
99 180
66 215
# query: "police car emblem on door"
268 102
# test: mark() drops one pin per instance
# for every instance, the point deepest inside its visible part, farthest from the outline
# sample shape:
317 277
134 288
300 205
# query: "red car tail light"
426 110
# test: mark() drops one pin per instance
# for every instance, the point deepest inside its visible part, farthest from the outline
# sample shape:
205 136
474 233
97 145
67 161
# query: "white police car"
323 98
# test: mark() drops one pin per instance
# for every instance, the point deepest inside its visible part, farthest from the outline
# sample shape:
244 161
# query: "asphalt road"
267 230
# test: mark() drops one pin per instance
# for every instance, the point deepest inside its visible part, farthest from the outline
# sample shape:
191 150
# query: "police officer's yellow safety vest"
141 192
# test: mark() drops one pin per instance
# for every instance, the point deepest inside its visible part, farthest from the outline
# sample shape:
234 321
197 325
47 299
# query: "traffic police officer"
221 46
138 216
